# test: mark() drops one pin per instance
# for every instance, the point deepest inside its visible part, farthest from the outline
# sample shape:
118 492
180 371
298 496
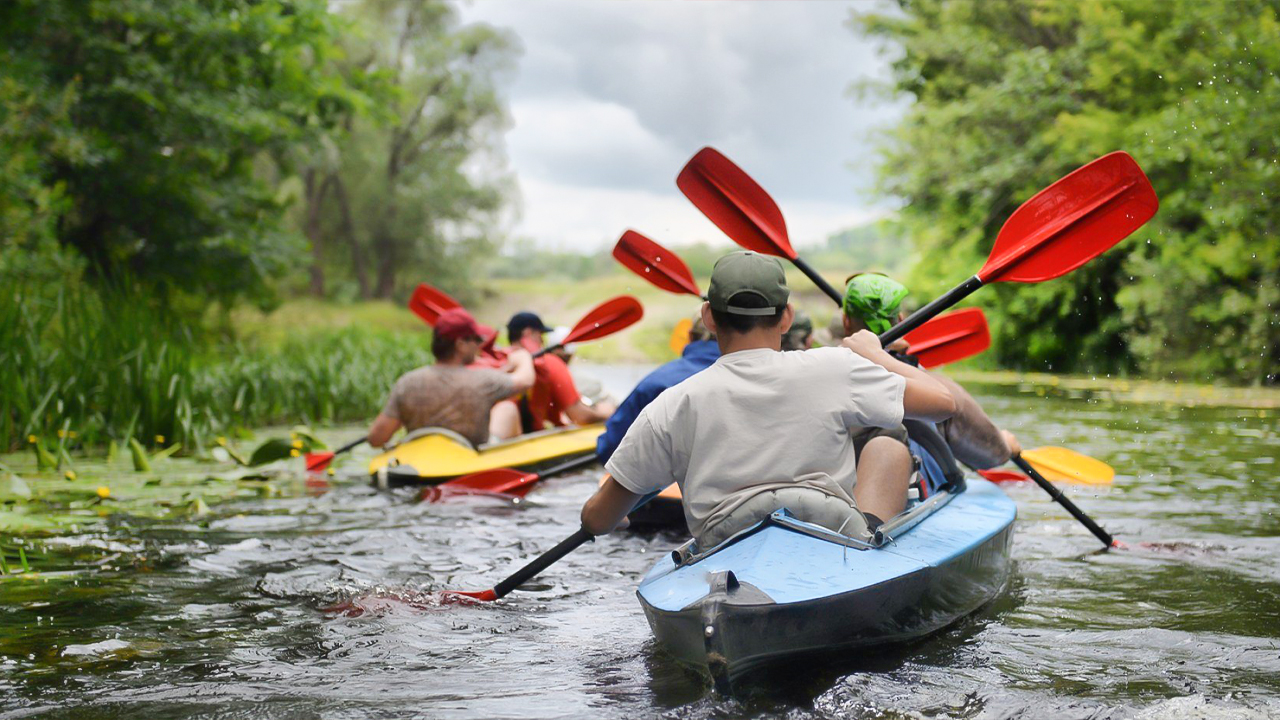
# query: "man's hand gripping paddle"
1059 229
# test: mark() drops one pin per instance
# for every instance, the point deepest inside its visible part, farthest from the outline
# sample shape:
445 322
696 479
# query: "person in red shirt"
554 397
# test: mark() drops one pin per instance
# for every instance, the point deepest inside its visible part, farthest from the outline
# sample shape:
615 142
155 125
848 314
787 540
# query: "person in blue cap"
554 397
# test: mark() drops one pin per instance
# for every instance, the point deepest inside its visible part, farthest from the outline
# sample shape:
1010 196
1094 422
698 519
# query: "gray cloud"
617 95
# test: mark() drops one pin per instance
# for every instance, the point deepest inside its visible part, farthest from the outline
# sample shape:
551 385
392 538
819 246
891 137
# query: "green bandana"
873 299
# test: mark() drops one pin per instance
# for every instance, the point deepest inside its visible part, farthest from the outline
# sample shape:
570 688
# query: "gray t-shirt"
448 396
754 421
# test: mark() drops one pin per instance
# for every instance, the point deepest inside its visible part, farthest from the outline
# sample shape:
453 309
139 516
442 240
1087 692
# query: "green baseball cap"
874 299
743 273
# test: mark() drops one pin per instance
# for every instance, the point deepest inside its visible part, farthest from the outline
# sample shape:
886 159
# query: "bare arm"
582 414
520 365
607 509
974 438
924 398
382 430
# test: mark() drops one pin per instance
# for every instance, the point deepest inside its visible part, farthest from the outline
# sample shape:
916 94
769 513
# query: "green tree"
1012 94
137 130
409 193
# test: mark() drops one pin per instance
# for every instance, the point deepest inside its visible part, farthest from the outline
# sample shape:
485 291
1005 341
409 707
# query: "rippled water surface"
232 615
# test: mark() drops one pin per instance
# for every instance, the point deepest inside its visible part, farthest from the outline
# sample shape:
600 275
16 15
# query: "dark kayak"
785 588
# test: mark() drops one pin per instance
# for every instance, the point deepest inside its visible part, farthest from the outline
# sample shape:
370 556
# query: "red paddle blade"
428 302
735 203
1072 221
316 462
606 319
1004 476
483 595
655 263
504 481
951 337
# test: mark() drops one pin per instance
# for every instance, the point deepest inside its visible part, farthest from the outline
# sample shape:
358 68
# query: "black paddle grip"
1065 502
927 313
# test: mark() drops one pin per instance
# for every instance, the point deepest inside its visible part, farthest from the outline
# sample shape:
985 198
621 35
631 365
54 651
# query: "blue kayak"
785 588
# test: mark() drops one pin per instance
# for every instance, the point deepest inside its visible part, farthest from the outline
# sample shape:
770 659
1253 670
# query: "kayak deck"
432 455
786 588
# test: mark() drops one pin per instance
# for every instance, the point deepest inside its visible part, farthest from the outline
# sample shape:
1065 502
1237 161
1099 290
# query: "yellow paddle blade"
680 336
1063 465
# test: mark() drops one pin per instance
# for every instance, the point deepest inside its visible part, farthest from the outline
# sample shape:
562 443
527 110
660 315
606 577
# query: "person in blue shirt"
700 354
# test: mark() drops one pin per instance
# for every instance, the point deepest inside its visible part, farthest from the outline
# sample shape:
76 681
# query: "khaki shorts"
862 436
807 504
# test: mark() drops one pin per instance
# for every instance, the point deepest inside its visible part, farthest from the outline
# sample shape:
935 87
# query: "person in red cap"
448 394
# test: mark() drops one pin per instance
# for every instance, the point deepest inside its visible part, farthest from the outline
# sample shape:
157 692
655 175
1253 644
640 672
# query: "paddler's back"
753 419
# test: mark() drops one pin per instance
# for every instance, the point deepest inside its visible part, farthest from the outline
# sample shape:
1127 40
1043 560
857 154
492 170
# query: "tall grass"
99 365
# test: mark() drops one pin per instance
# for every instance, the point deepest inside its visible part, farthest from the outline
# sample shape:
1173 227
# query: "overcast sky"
612 98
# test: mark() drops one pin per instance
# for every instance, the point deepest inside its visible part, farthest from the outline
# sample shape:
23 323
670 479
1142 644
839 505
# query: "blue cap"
522 320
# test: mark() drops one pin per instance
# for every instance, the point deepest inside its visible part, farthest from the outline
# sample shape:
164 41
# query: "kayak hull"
776 593
433 455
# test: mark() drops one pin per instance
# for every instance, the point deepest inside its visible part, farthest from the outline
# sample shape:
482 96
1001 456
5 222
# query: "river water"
231 615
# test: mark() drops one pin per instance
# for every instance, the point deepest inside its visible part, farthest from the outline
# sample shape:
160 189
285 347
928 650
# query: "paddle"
1062 500
1059 229
428 303
506 481
656 264
1063 465
950 337
742 209
317 462
1058 464
1056 231
603 320
943 340
538 564
680 336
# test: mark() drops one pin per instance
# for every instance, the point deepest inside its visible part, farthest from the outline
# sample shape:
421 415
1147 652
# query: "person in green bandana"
873 301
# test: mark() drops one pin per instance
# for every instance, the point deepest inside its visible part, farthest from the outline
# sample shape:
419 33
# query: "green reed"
83 367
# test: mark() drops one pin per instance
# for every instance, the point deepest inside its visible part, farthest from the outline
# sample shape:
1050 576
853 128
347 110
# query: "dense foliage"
407 191
133 128
1012 94
84 366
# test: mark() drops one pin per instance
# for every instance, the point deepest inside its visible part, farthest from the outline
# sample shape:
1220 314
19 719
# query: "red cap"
456 324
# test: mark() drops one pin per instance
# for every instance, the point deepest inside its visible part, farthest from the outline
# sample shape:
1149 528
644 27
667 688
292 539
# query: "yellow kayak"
428 456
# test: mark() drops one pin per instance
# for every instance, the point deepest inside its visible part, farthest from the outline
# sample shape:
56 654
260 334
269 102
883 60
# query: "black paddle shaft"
542 562
818 280
349 445
1064 501
568 465
927 313
546 559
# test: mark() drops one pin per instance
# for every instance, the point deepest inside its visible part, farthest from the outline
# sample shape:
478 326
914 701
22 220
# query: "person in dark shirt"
697 356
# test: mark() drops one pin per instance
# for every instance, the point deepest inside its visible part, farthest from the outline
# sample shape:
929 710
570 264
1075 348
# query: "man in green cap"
762 429
874 302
